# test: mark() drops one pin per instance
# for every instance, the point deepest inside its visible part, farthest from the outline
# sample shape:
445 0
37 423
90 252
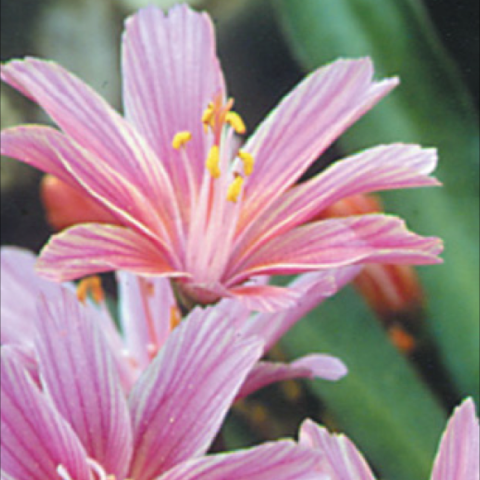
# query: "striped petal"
265 298
342 460
93 248
384 167
35 439
457 457
304 125
280 461
171 73
34 145
180 401
53 152
340 242
79 373
93 125
312 366
20 289
145 314
313 289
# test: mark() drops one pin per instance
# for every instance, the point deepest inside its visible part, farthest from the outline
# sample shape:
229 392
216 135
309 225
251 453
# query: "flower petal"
342 460
145 314
265 298
304 124
457 457
339 242
92 248
311 366
79 373
282 460
171 73
313 288
35 439
384 167
20 288
94 126
33 145
89 175
180 401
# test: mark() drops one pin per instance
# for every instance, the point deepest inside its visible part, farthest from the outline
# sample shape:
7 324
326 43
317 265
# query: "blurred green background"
392 405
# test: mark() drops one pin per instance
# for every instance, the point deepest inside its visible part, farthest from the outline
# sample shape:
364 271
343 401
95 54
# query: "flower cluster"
175 194
193 221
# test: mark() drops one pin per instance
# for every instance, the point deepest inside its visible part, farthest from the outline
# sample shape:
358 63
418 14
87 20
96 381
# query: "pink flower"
187 203
73 420
457 457
148 314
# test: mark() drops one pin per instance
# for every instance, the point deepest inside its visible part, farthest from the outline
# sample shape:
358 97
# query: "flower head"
148 314
72 419
182 199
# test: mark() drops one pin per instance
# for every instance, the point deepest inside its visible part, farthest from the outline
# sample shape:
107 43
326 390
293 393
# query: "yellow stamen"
180 139
175 317
93 286
213 162
234 189
248 162
208 117
236 122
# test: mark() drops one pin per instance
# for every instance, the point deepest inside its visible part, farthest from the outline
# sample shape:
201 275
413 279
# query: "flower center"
220 120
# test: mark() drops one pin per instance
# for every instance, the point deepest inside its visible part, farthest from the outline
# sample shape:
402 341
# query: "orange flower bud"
392 291
66 206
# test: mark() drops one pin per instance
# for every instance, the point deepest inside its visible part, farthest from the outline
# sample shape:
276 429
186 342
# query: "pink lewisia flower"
457 457
148 314
73 420
187 203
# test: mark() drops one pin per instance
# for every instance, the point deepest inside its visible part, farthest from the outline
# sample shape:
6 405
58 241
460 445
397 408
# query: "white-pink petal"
19 292
179 402
53 152
79 373
34 145
35 439
342 460
304 124
458 454
339 242
145 308
314 288
170 74
93 248
280 461
265 298
311 366
384 167
93 125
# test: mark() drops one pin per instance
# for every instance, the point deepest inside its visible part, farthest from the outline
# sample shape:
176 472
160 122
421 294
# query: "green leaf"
431 107
381 404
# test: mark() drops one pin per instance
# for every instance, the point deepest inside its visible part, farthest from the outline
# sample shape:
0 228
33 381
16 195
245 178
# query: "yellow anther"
208 117
213 162
92 285
248 162
180 139
234 189
175 317
236 122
